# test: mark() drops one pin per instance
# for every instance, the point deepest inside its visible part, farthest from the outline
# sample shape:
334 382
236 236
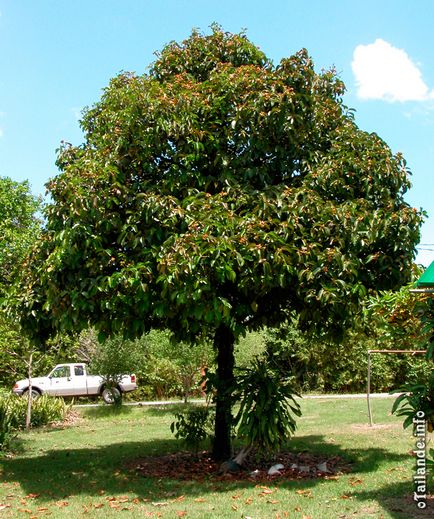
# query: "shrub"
13 409
6 429
194 426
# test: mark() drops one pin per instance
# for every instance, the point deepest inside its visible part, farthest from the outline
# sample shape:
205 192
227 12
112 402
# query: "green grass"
79 471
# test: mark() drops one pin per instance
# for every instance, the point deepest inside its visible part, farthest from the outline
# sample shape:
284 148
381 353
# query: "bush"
194 426
6 429
173 369
13 409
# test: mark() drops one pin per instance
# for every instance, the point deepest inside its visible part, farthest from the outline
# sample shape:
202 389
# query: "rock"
254 473
275 469
304 468
322 467
230 466
294 466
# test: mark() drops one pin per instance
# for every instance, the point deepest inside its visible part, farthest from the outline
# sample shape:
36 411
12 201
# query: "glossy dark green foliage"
219 188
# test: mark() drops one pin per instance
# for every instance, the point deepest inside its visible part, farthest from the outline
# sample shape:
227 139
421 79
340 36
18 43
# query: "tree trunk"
224 344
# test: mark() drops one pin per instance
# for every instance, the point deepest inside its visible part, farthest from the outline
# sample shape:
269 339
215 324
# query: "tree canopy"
217 193
19 226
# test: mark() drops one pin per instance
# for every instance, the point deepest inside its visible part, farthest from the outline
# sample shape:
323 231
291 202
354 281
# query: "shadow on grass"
398 500
172 408
57 474
106 411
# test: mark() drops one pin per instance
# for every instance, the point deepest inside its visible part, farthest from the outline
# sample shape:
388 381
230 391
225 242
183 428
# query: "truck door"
62 383
80 380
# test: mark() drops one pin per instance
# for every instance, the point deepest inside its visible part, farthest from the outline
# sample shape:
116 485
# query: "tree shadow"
173 408
398 500
57 474
106 411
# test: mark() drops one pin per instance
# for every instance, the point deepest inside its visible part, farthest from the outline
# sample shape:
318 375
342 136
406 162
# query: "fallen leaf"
159 504
32 496
307 493
234 507
181 513
200 500
98 505
2 507
61 503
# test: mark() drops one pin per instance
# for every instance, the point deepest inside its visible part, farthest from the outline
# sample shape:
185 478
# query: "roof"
427 278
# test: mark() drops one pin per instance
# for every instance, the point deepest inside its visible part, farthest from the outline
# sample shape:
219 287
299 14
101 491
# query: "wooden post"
368 392
29 392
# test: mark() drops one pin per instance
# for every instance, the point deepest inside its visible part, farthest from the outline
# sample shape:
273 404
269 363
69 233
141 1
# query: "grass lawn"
80 470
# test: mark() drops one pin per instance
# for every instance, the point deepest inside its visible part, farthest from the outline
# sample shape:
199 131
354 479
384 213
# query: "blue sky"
57 55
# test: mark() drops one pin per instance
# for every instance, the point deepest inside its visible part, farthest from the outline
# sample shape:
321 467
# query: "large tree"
218 193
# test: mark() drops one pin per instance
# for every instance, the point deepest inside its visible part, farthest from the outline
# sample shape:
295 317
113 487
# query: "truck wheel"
111 395
35 394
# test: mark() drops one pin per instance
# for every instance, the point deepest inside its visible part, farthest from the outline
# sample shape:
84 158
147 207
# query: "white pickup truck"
72 380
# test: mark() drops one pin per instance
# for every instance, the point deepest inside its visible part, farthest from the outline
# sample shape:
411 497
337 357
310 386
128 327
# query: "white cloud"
1 133
386 72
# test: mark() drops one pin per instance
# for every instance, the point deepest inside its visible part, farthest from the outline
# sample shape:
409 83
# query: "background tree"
389 320
172 368
20 227
216 194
